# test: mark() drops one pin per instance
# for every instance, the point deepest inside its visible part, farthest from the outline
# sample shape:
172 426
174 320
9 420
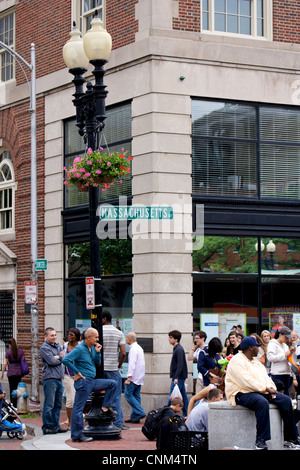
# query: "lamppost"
270 248
95 48
33 214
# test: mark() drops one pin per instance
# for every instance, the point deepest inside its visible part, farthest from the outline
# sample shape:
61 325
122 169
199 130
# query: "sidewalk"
131 439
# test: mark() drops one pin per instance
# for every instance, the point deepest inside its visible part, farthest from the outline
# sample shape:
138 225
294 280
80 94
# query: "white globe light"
73 52
97 41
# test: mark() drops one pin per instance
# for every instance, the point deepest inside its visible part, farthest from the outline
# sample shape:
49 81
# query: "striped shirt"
112 339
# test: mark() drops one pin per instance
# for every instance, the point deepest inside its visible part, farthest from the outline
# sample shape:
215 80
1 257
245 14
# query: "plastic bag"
175 393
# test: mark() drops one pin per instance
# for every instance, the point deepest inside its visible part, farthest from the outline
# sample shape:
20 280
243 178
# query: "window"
7 37
6 193
244 17
245 150
229 289
117 136
84 10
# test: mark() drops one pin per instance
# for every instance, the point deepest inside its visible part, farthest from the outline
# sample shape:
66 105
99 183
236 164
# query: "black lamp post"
95 48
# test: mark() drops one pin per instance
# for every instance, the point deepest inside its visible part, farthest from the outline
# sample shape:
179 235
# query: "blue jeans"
115 375
258 403
53 398
84 387
133 396
181 385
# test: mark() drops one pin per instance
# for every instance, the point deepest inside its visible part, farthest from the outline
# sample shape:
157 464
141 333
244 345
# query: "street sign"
90 292
41 265
30 292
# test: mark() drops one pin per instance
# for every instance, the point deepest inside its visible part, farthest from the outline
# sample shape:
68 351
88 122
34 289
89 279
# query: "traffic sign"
41 265
30 292
90 292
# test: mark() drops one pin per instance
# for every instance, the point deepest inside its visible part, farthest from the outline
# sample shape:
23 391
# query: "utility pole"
33 235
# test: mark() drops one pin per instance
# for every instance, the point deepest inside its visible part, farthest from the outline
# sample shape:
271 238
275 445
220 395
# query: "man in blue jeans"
135 379
248 384
178 369
114 356
52 375
83 361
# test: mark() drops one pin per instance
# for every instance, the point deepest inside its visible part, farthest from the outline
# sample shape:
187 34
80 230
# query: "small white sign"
90 292
30 292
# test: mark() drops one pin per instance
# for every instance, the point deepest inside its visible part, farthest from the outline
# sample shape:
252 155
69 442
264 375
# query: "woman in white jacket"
277 353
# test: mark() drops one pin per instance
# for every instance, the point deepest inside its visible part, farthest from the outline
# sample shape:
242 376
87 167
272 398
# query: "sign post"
30 292
90 293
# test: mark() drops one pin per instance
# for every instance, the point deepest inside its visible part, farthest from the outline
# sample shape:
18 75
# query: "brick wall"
46 24
15 121
120 21
189 16
286 21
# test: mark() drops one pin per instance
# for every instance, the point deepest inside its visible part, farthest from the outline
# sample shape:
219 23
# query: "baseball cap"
249 341
285 331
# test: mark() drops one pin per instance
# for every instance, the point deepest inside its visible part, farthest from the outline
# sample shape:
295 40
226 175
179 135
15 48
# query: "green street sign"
41 265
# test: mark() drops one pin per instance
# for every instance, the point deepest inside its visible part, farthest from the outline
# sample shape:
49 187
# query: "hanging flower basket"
97 169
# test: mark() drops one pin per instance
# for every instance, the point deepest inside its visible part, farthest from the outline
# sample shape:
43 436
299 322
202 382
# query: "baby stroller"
10 422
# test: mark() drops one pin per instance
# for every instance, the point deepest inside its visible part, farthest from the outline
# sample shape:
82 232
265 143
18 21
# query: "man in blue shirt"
83 361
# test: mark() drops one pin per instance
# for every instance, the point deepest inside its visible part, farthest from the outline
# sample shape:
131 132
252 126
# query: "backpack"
149 428
169 426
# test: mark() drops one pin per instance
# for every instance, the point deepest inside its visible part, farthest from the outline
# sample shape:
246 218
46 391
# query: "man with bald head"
83 361
135 378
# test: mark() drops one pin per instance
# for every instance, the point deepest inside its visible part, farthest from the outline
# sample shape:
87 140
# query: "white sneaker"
291 445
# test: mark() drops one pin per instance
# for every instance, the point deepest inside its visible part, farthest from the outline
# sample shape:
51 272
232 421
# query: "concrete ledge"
235 426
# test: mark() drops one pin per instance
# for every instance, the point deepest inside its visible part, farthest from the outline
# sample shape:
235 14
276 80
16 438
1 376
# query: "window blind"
280 152
224 149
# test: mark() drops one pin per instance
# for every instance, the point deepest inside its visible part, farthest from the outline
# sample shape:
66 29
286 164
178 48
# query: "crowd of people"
257 370
252 371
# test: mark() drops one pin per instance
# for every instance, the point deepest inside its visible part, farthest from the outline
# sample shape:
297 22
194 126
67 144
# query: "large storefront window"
235 283
245 150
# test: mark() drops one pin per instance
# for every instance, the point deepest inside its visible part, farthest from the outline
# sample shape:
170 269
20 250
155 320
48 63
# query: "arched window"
7 189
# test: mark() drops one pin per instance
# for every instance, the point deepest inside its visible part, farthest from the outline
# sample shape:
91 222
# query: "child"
6 425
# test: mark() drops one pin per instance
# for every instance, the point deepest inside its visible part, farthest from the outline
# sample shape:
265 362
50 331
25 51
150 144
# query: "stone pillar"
162 261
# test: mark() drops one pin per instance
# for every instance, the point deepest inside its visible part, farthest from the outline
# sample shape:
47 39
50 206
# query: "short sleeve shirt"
112 339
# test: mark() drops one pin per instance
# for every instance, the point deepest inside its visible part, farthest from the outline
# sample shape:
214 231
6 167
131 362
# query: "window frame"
78 14
260 142
107 143
3 52
268 21
8 185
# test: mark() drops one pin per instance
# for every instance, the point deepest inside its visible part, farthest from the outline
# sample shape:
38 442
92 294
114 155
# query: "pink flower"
98 172
121 181
88 162
108 163
89 150
87 175
82 170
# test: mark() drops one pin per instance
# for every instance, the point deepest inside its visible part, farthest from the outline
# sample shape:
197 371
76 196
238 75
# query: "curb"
41 442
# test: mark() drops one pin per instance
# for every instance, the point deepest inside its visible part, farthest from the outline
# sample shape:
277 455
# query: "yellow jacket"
245 376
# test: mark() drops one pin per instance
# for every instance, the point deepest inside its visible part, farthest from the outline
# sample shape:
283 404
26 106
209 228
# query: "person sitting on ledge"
248 384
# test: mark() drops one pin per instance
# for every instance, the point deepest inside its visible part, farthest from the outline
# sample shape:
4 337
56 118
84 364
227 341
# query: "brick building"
204 95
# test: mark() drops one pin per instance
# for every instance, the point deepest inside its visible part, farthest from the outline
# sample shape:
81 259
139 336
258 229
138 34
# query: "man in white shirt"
114 352
135 379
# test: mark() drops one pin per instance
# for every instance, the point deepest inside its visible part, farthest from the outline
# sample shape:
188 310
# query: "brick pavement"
132 439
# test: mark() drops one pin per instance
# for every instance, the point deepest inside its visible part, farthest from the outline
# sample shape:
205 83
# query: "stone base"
235 426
